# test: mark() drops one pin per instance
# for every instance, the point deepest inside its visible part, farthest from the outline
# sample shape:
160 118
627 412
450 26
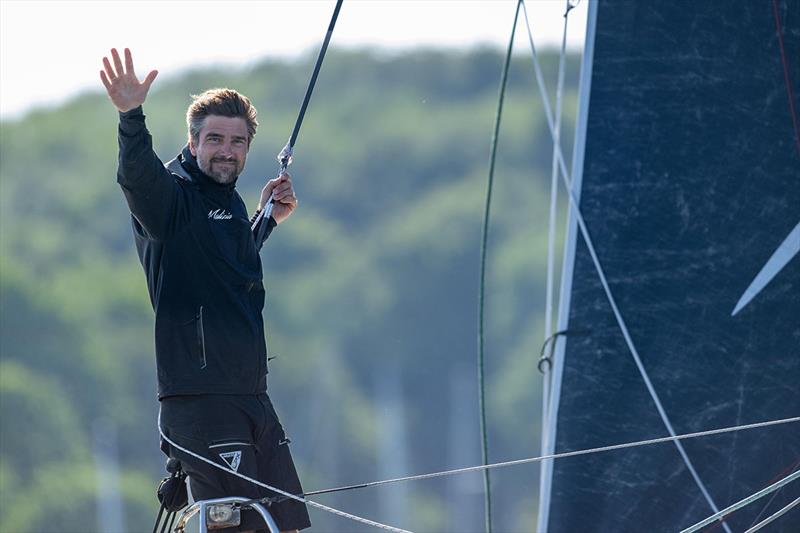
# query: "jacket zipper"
201 338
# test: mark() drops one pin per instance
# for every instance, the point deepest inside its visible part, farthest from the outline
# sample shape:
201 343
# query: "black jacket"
203 270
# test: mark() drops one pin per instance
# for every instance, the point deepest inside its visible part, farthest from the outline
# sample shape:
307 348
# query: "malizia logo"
232 459
219 214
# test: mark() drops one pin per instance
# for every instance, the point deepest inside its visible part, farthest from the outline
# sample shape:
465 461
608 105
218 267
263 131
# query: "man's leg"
276 468
220 429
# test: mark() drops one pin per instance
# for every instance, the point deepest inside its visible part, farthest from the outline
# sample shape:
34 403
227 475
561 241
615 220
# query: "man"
203 270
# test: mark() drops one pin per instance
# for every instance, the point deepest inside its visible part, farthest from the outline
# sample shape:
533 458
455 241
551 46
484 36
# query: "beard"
221 170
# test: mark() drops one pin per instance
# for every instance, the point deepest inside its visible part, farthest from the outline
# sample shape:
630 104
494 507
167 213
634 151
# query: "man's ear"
192 147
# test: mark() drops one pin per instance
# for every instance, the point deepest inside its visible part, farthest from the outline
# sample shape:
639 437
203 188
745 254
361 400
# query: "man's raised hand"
123 87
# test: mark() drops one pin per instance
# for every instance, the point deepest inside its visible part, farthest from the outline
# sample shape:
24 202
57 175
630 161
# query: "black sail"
688 174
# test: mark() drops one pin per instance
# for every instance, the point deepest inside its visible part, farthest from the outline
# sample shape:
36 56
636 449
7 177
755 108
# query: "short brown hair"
223 102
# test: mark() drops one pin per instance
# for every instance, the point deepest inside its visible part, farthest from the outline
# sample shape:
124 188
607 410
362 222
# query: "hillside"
371 290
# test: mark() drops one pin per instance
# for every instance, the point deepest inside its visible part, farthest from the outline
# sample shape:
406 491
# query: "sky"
45 59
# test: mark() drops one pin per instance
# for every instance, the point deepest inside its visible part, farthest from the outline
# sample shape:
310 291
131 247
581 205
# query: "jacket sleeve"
271 223
153 195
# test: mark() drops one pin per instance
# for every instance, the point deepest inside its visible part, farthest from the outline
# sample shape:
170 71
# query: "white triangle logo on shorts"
232 459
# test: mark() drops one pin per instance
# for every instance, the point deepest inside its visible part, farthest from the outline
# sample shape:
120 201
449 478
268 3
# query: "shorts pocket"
234 454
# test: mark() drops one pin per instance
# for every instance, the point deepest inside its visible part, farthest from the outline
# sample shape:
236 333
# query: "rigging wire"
606 288
487 486
551 239
548 318
285 156
561 455
775 516
746 501
775 494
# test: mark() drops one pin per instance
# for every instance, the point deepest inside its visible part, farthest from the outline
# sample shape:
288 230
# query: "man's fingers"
286 197
285 194
117 62
105 81
148 81
109 70
129 62
290 200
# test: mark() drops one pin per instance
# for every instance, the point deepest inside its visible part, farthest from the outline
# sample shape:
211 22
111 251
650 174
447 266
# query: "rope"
774 494
773 517
609 296
741 503
482 290
285 156
551 240
275 489
562 455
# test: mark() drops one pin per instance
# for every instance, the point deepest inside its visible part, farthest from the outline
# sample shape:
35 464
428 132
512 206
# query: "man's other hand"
123 87
283 195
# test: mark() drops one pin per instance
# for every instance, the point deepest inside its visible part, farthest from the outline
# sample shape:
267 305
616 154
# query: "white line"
277 490
552 391
672 438
773 517
741 503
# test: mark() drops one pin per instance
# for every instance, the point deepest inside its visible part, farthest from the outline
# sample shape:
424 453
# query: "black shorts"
241 433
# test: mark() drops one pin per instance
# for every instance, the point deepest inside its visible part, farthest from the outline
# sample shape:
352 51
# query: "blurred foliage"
373 279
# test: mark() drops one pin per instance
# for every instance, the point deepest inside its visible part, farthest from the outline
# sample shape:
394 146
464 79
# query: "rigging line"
782 474
301 499
610 297
741 503
775 494
548 319
561 455
285 156
487 487
780 513
313 81
787 79
551 238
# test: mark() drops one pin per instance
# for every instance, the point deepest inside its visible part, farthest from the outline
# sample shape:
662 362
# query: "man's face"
221 148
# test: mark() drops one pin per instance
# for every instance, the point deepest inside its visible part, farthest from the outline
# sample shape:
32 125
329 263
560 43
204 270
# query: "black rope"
548 359
158 518
481 293
171 520
285 156
313 81
551 342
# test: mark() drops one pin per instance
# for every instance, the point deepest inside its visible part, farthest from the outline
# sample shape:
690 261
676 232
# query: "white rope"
551 238
551 234
620 321
773 517
277 490
478 468
562 455
746 501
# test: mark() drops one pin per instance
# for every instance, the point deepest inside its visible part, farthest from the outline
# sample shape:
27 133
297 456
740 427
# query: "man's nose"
226 149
